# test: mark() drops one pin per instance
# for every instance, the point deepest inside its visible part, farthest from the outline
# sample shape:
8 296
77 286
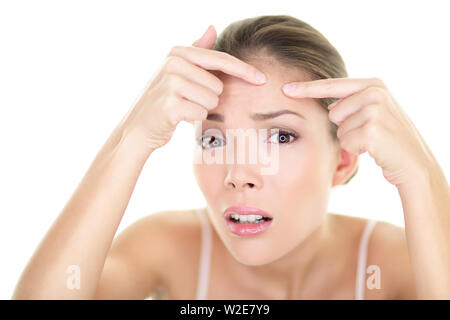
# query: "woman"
298 250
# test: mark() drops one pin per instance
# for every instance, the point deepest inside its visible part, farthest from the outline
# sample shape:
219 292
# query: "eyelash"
280 132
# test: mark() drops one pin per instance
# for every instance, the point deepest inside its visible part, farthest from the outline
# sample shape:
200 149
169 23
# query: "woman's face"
296 194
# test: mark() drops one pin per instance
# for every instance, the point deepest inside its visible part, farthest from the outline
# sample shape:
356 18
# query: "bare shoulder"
389 246
170 229
387 249
152 243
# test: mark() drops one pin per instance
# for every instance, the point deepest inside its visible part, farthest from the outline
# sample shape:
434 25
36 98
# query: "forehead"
238 93
272 68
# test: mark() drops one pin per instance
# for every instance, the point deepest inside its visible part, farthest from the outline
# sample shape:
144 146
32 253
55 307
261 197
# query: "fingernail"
260 77
209 27
289 88
332 105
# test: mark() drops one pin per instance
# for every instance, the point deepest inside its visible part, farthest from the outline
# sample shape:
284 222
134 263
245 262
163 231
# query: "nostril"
233 185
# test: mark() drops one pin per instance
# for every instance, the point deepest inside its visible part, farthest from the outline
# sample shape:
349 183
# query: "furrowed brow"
270 115
256 116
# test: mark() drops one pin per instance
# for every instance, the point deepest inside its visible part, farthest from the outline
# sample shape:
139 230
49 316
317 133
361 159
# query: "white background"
69 71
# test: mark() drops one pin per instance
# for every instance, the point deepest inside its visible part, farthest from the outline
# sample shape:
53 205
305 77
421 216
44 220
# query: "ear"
347 164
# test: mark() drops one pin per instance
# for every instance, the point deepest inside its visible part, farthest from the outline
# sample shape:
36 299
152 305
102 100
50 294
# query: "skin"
317 263
309 166
306 253
371 120
314 259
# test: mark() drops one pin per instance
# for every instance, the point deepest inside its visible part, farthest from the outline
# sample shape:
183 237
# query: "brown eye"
208 142
282 137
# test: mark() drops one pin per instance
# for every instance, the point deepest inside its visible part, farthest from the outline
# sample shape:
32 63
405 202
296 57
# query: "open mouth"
247 224
247 219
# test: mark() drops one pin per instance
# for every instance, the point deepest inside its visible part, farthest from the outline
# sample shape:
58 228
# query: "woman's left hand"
370 119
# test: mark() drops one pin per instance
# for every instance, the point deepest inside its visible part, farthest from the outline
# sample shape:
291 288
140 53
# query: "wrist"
424 177
131 146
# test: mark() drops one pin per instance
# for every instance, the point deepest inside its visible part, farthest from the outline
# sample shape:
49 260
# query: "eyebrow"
256 116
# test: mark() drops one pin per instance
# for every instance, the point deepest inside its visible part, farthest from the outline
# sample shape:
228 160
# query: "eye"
284 137
208 142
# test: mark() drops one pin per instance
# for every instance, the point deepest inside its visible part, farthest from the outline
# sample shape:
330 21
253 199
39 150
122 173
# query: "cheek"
298 167
303 174
301 188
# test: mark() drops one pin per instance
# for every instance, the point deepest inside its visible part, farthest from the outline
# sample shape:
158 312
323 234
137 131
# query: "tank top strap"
205 257
362 259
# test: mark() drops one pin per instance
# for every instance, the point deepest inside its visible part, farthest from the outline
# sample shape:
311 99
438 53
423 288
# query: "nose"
240 178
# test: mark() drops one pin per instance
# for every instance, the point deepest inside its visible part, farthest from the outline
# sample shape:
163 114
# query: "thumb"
208 38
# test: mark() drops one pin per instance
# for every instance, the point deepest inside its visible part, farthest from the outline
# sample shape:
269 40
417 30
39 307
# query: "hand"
369 119
182 90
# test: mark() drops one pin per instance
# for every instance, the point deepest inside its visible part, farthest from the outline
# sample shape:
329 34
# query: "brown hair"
291 42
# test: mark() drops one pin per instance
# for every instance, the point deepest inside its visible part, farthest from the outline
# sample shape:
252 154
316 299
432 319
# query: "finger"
207 42
190 111
216 60
355 141
348 106
324 88
180 66
355 120
194 92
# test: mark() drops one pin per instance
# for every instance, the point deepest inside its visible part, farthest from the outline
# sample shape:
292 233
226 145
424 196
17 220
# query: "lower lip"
248 229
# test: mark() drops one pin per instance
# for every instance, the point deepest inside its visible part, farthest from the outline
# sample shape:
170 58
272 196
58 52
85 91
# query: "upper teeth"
248 217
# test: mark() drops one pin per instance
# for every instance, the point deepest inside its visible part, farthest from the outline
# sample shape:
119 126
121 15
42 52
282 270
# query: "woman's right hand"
182 89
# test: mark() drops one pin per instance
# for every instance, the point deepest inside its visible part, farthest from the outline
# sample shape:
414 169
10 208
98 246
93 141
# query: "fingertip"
260 77
289 88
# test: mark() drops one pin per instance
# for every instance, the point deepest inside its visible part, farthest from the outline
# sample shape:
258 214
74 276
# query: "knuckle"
170 108
370 130
215 83
214 101
376 94
172 81
173 118
372 111
170 102
332 115
219 87
175 50
171 64
203 113
210 102
378 82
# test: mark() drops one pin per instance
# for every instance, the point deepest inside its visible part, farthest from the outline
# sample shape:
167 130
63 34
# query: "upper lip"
244 210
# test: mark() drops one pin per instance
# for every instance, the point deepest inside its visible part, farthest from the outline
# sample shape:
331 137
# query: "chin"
253 254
